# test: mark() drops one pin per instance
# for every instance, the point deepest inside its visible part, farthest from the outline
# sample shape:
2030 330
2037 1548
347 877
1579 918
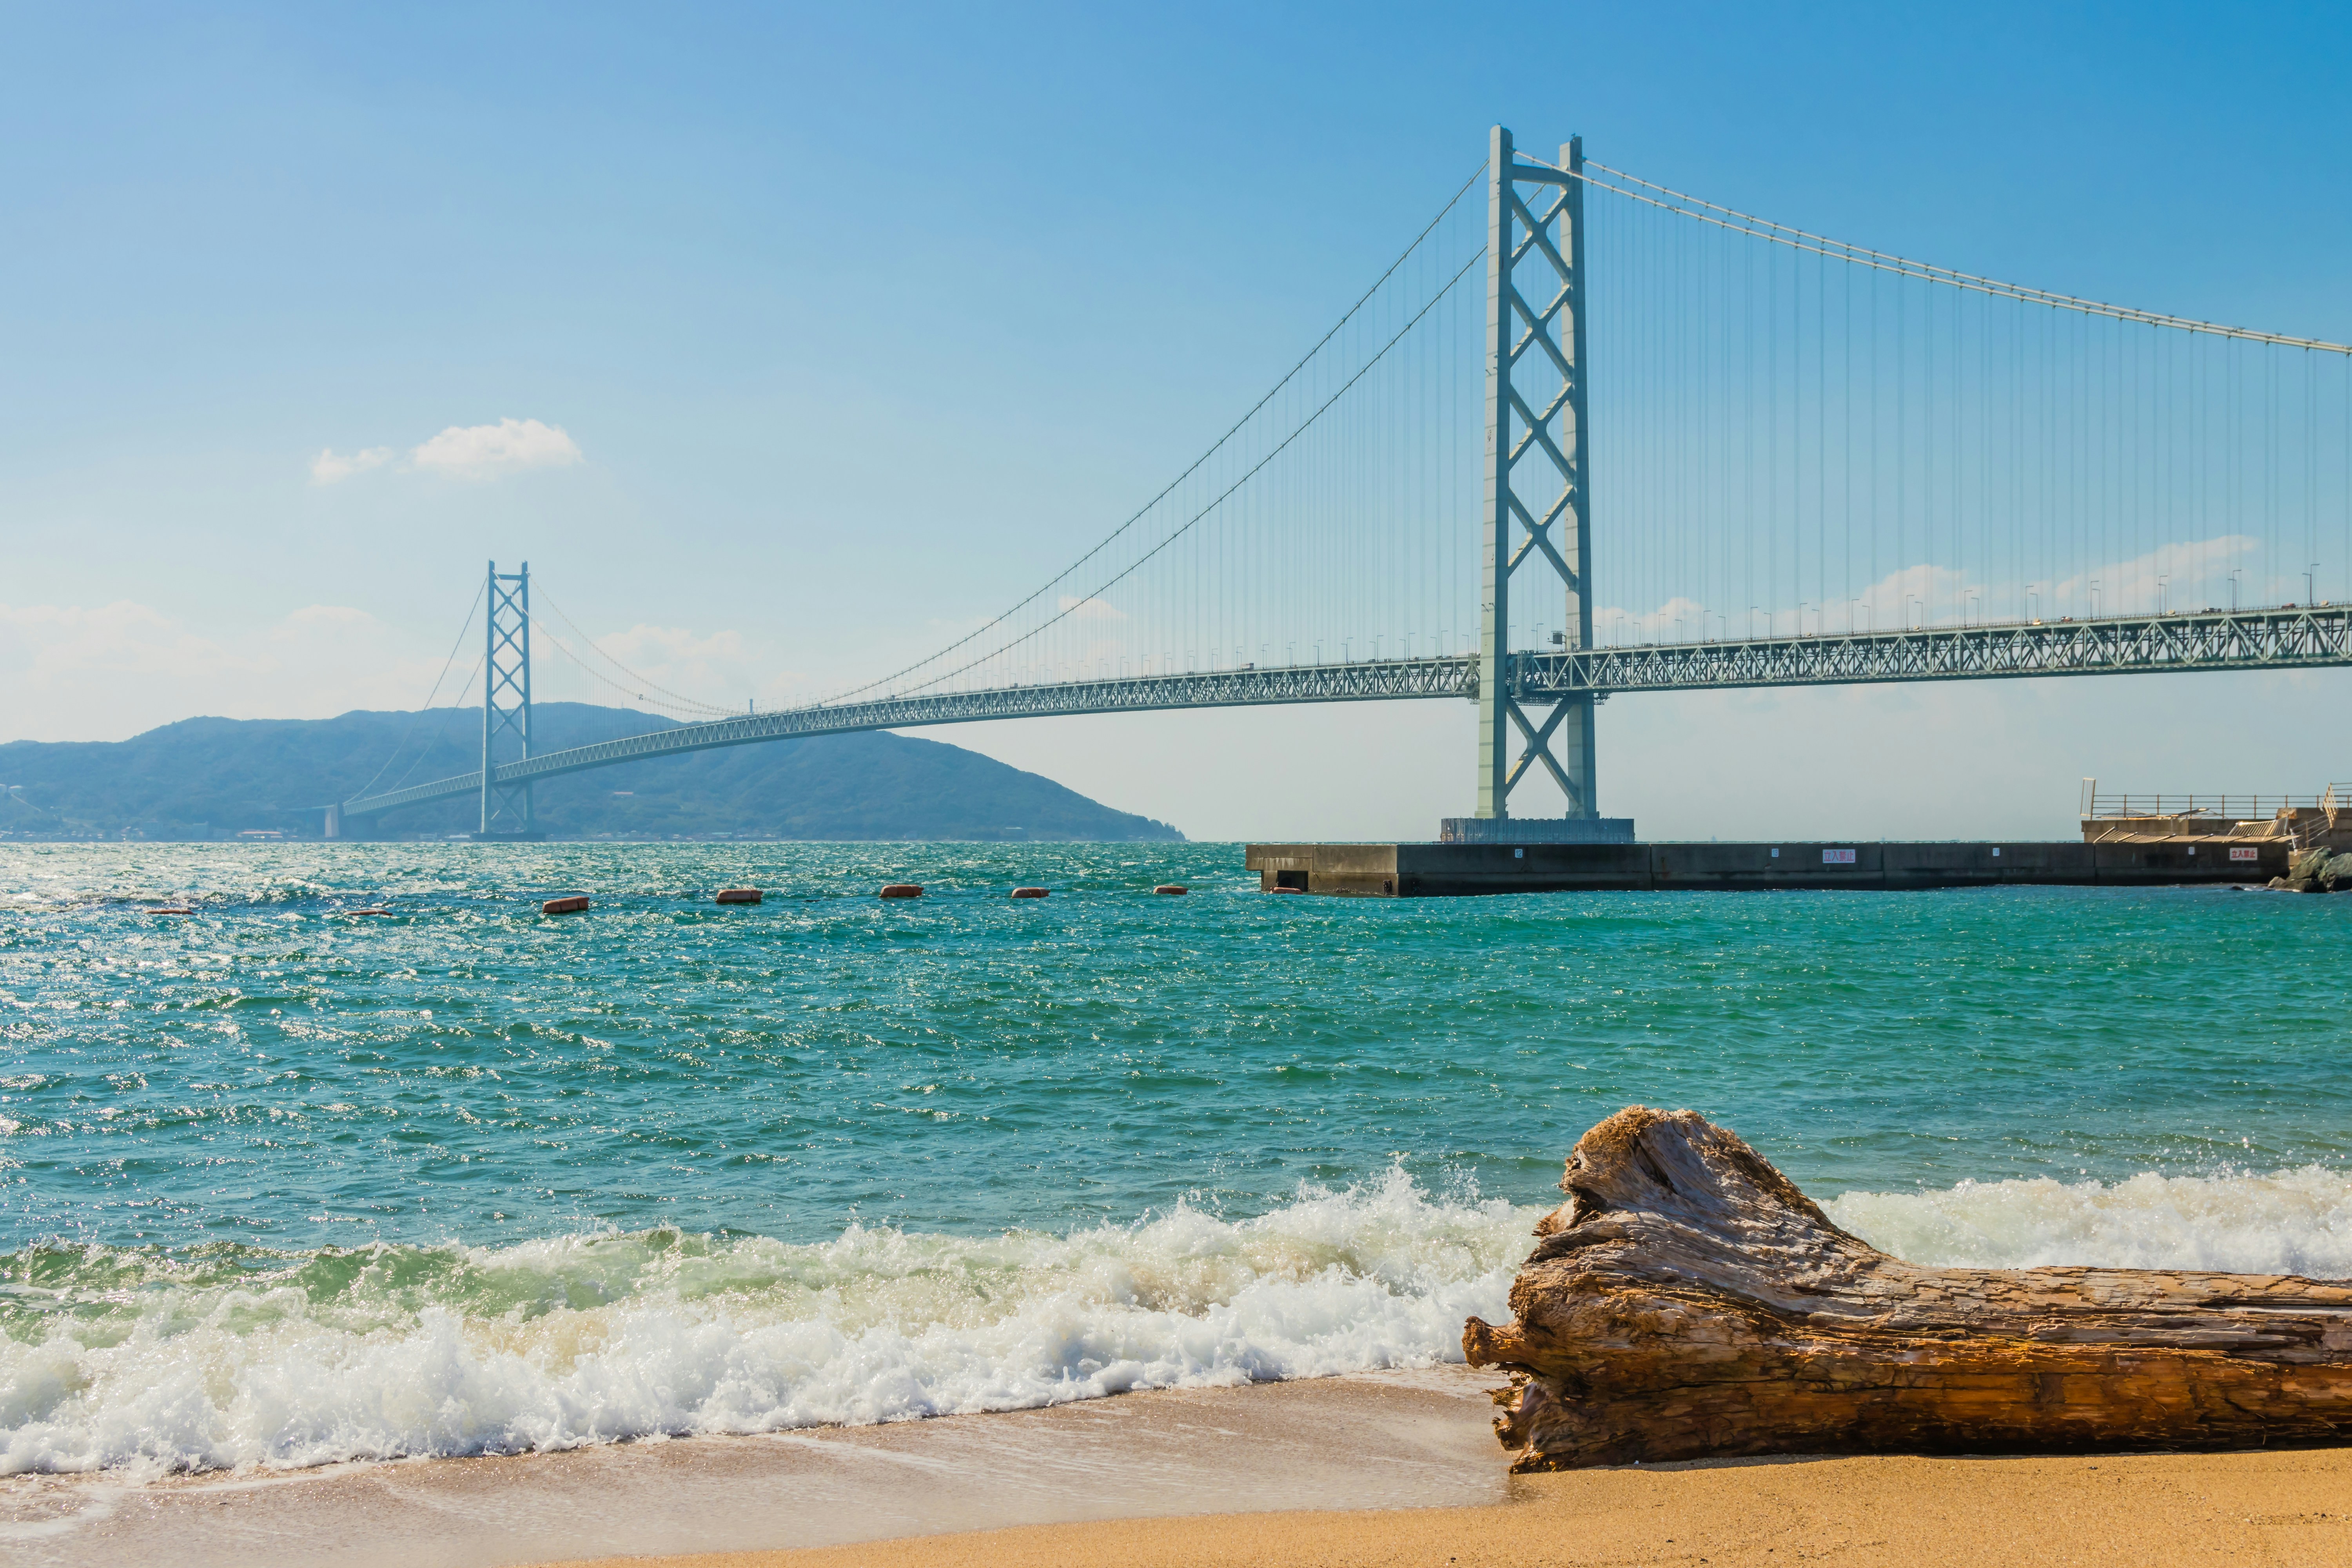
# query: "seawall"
1453 870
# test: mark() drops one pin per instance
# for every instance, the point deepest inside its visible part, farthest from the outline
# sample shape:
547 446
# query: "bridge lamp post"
2163 583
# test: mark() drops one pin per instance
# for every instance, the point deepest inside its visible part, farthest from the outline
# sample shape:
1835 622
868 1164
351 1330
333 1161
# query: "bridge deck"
2249 639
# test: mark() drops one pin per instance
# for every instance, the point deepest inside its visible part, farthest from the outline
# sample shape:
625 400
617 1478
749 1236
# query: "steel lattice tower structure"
506 677
1535 408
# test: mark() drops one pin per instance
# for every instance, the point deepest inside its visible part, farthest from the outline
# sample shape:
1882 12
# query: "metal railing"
2098 803
2226 807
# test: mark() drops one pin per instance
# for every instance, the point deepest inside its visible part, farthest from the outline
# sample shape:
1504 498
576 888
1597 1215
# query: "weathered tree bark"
1687 1300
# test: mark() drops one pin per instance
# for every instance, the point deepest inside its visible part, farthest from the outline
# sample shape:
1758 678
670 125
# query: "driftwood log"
1688 1301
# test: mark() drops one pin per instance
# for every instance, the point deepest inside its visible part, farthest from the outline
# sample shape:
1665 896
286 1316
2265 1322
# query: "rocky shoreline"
2317 871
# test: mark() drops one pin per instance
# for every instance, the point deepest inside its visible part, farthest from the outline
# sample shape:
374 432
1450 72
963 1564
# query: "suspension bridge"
1668 445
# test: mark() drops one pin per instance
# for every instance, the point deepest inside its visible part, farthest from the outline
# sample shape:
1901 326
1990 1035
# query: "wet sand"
1404 1439
2157 1511
1398 1468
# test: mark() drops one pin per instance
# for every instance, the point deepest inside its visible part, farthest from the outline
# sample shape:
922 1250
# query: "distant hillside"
214 778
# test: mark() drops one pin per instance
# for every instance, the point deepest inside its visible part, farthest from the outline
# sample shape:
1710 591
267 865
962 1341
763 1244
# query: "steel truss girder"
2253 639
2250 639
1374 681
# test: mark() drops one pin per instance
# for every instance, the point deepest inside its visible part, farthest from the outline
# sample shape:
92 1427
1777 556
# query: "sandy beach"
2159 1509
1378 1470
2155 1509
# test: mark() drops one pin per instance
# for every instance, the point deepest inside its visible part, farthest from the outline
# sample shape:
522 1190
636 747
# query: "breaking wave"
145 1361
2289 1222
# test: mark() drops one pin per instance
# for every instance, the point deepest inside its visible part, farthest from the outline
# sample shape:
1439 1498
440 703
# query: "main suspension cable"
677 699
675 704
1191 468
1796 238
410 733
1221 496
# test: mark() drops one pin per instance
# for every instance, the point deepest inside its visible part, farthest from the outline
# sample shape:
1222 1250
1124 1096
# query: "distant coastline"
226 780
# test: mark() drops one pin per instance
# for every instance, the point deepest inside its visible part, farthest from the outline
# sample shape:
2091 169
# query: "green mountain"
216 778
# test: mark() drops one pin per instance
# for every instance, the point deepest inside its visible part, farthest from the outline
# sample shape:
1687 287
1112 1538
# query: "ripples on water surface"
283 1184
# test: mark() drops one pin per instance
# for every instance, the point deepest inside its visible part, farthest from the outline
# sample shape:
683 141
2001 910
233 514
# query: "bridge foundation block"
1456 870
1535 830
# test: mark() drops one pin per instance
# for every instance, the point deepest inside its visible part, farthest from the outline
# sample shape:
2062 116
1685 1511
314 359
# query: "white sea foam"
405 1350
391 1350
2289 1222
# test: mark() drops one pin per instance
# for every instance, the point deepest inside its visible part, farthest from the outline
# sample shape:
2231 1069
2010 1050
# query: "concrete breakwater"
1454 870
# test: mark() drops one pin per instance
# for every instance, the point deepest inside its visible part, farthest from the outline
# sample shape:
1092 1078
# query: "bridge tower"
506 705
1538 448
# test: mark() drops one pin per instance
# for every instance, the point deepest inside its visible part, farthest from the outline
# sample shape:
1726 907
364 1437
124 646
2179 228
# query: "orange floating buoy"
903 890
1028 892
1172 888
1285 890
170 910
738 895
576 904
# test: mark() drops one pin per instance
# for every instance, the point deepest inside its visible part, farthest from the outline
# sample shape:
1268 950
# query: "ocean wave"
144 1363
2288 1222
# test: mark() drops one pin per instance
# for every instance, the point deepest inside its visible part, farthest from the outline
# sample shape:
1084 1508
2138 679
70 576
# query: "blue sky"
858 320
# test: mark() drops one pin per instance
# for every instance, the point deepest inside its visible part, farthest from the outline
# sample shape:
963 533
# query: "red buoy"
903 890
367 912
1028 892
738 895
576 904
1285 890
1172 888
170 910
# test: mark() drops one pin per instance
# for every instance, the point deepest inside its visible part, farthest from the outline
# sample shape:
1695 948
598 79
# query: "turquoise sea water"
280 1184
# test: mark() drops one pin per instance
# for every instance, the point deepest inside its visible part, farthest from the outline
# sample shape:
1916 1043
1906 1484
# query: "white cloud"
673 649
2189 575
2186 574
464 451
482 451
102 672
1090 610
330 466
